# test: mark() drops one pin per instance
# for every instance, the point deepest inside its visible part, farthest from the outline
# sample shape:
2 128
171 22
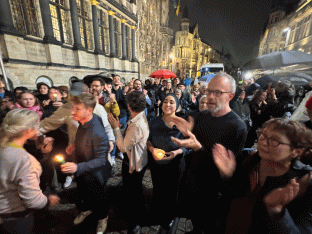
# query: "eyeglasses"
271 141
216 93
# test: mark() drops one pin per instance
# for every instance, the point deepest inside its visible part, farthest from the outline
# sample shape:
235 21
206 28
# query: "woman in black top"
166 172
258 115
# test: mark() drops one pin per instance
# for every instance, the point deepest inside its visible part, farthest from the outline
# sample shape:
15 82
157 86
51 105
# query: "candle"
60 159
55 97
159 153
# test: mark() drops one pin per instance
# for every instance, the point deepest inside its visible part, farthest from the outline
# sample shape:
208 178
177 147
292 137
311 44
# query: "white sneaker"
102 225
121 155
68 181
82 216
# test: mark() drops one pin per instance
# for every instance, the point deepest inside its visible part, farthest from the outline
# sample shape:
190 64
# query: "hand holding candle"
69 168
60 159
159 153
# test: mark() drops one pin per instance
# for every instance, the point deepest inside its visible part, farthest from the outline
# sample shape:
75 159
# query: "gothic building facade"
290 32
153 36
54 40
189 51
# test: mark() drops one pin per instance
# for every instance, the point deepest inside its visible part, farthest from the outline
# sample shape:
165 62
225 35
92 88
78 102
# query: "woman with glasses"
272 188
20 193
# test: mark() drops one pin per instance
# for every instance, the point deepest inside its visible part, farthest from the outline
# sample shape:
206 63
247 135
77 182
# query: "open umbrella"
207 78
163 74
278 59
89 79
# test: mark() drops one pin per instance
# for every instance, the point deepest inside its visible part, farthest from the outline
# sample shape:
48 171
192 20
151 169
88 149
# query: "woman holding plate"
166 160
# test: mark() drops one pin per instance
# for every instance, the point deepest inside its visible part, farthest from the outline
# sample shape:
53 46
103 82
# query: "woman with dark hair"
53 103
258 115
273 185
43 92
166 172
131 141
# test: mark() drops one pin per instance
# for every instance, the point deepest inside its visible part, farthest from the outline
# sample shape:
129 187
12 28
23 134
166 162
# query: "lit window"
117 37
25 17
85 24
61 21
103 28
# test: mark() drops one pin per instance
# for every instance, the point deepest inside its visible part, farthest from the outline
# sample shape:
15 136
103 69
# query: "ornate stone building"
189 51
53 40
153 36
291 32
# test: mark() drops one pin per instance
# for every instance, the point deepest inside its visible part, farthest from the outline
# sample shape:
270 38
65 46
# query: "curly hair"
297 133
136 101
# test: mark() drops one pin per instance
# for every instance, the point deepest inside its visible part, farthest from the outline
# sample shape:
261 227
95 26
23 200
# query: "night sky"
233 25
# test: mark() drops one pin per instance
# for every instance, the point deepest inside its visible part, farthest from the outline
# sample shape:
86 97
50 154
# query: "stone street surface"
60 218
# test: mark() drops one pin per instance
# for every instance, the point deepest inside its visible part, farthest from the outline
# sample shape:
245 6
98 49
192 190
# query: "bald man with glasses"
204 183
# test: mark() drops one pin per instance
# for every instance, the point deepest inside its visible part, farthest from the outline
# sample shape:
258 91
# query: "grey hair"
15 123
230 79
204 96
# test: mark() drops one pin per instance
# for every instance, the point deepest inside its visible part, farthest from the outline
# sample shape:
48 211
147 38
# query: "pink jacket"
33 108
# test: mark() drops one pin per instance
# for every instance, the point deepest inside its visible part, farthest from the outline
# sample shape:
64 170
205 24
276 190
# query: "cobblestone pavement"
59 220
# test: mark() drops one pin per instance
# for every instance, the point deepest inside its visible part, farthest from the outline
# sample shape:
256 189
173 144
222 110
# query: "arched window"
85 24
25 17
72 80
45 79
104 30
61 21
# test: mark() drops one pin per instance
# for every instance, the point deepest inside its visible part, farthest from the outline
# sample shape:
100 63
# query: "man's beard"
217 108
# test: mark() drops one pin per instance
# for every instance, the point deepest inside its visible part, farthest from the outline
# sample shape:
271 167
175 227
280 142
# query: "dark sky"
235 25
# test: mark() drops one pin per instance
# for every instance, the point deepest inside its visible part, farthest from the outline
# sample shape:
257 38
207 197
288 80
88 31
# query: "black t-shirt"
228 130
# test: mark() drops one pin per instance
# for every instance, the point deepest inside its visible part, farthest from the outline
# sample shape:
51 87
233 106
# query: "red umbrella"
163 74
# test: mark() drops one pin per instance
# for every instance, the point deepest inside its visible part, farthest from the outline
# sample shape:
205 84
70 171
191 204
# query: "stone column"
111 34
134 59
95 21
75 24
6 19
47 22
123 39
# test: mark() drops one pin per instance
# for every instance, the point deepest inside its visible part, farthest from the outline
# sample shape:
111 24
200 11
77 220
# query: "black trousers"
165 178
21 225
93 195
133 194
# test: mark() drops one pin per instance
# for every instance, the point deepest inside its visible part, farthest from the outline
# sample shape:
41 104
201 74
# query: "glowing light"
160 153
60 159
55 97
248 75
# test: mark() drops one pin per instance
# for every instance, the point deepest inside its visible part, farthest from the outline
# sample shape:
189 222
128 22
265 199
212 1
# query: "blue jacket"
92 146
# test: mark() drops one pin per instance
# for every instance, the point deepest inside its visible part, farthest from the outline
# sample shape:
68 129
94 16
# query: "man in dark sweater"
218 125
93 168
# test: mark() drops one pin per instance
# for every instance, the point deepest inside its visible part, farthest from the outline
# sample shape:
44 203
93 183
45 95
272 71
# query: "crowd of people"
230 157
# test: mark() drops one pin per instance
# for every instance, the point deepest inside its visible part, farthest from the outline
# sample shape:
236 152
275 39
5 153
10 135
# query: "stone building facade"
54 40
291 32
189 51
153 36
